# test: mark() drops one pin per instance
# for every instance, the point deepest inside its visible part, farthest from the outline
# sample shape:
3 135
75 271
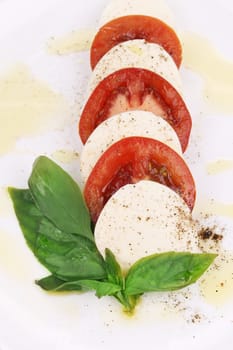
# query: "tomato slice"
135 27
135 89
133 159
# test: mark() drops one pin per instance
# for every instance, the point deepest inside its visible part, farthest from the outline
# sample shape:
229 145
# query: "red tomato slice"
135 27
133 159
133 89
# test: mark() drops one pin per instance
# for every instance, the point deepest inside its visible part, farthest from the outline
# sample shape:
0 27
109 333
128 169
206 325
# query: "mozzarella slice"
140 54
143 219
153 8
131 123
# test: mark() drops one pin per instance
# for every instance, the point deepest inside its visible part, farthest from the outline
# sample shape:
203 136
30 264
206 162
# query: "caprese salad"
134 127
134 232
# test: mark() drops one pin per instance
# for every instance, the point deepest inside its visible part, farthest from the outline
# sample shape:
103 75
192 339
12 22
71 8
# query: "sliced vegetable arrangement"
137 54
135 89
56 225
126 124
133 159
139 173
132 27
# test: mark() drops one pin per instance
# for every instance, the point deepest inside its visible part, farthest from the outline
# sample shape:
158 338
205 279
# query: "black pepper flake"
207 233
217 237
196 318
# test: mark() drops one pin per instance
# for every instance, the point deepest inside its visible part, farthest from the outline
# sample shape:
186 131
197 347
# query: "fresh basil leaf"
48 229
166 272
51 283
28 215
70 260
59 198
113 269
115 275
65 255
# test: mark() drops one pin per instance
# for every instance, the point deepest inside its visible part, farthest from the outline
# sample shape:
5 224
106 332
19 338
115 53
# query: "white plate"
43 120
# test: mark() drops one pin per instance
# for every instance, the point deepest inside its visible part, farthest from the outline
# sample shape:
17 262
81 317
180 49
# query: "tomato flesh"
133 27
136 89
121 178
154 172
128 99
133 159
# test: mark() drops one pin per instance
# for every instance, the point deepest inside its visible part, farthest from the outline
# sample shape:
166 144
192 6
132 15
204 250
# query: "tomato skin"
134 159
132 27
98 106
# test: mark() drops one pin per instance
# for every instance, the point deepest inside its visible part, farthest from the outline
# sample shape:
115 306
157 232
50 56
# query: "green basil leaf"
65 255
166 272
28 215
51 283
70 260
48 229
59 198
113 269
115 275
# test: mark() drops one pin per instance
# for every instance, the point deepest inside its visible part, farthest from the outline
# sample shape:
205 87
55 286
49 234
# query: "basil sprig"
67 256
57 228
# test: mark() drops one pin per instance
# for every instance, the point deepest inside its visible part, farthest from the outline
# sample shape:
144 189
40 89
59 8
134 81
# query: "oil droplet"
26 105
219 166
12 261
76 41
217 72
212 207
65 156
216 285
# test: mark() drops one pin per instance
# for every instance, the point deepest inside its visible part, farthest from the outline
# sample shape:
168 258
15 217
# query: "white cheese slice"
143 219
140 54
131 123
153 8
